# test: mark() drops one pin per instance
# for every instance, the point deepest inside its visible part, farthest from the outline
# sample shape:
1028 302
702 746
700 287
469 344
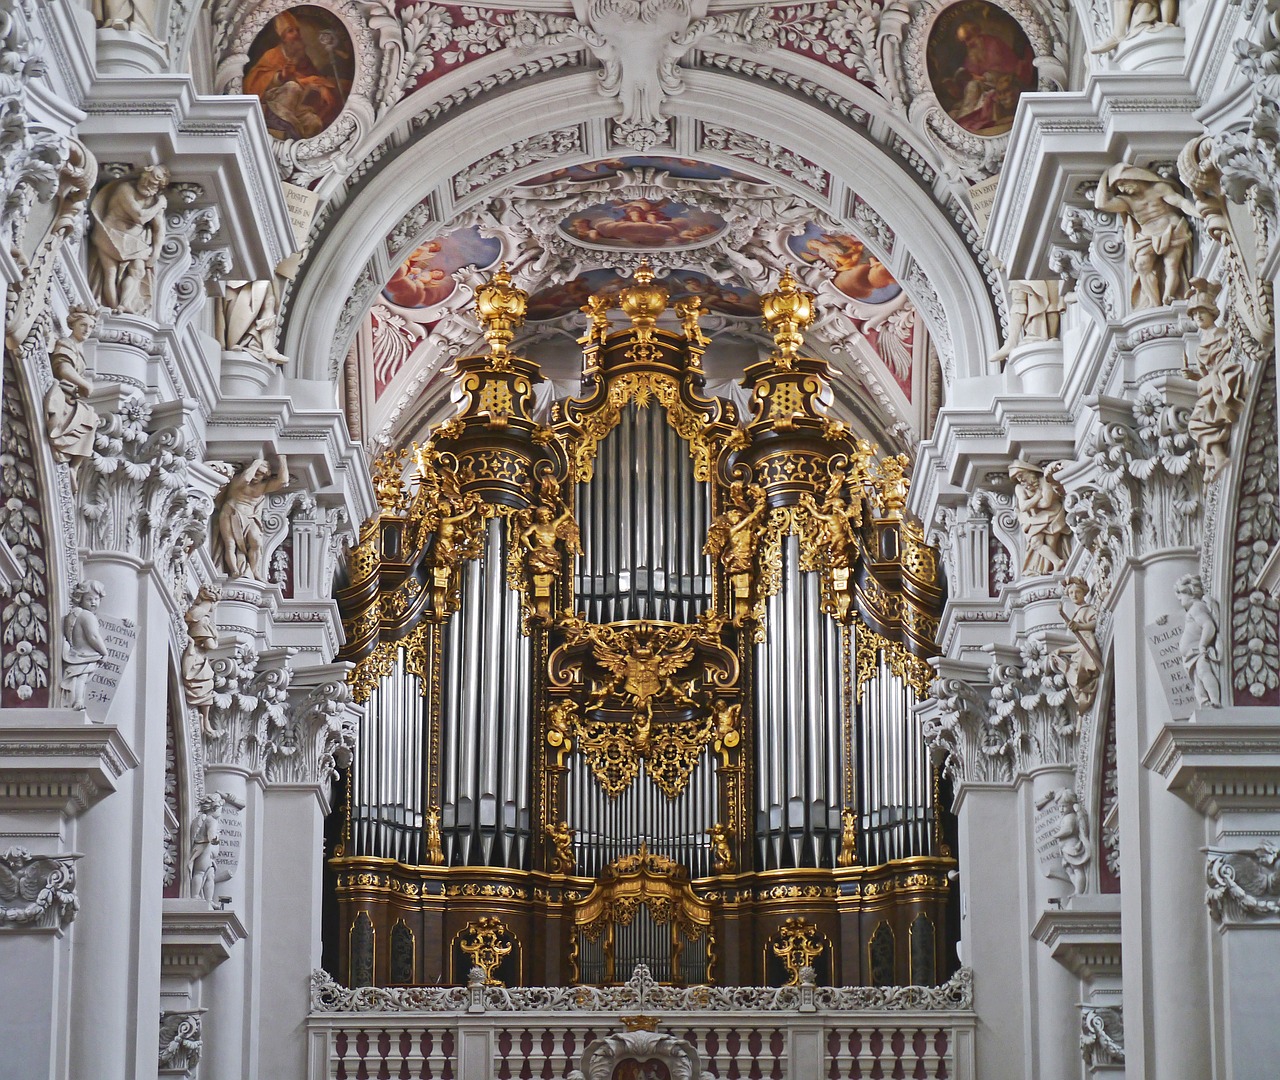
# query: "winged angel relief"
650 673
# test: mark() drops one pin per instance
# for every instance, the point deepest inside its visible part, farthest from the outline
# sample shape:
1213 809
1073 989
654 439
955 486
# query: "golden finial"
643 301
501 307
787 311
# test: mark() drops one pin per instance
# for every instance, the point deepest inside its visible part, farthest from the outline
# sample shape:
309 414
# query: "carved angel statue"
1042 516
733 535
690 310
206 837
70 421
1157 235
82 646
1130 17
196 664
138 15
539 535
1199 648
237 544
562 858
1080 664
128 233
1035 314
839 518
1220 382
721 853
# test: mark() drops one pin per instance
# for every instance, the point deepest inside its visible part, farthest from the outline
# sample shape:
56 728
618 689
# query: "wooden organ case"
639 680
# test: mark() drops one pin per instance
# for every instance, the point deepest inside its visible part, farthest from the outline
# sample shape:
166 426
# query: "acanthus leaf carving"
250 696
317 737
1102 1036
961 727
180 1042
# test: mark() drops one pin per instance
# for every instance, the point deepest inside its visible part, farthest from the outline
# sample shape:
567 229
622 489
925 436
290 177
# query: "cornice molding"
1223 760
53 759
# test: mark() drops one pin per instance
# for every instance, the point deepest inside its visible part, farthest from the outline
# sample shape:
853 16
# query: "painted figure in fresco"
70 421
301 94
843 255
643 223
82 644
128 233
991 77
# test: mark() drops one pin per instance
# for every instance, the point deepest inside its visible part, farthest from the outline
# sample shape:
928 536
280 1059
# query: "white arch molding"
927 242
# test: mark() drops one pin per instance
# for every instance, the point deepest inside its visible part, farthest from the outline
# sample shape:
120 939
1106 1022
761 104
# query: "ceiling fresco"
642 224
679 168
425 279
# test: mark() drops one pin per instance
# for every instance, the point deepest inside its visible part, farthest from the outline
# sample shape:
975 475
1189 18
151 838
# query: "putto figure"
1157 235
238 543
206 839
82 646
128 233
1042 517
1199 647
196 665
70 421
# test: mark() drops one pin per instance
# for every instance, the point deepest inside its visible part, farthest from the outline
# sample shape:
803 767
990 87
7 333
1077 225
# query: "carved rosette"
37 892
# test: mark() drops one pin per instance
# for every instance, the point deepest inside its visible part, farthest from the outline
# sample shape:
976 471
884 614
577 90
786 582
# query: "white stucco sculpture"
82 646
206 836
1199 647
1130 17
128 233
1035 314
138 15
70 421
1081 663
1042 516
197 665
248 319
1220 382
1157 234
238 541
1073 839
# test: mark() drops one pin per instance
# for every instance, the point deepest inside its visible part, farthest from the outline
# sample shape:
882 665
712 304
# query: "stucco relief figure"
128 233
206 837
1220 382
1080 664
70 421
82 646
1042 517
1035 314
248 319
139 15
1130 17
196 664
238 542
1199 646
1073 839
1156 232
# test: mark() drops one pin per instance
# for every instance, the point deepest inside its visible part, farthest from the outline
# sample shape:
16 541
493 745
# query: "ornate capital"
960 727
1102 1037
135 494
317 737
1031 702
180 1042
37 892
1243 885
250 695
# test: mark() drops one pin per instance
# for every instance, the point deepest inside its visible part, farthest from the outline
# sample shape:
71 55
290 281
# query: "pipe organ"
640 681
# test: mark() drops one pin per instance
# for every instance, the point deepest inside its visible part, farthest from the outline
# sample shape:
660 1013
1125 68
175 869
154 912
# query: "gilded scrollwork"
488 942
798 944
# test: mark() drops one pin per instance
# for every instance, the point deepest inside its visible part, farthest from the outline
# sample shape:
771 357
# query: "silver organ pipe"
610 827
644 518
486 730
388 797
798 718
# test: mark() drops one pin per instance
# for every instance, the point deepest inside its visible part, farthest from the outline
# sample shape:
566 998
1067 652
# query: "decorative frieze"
37 892
1243 885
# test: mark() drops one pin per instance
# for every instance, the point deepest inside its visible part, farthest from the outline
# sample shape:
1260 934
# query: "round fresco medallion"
628 224
980 62
300 68
425 278
855 272
569 296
